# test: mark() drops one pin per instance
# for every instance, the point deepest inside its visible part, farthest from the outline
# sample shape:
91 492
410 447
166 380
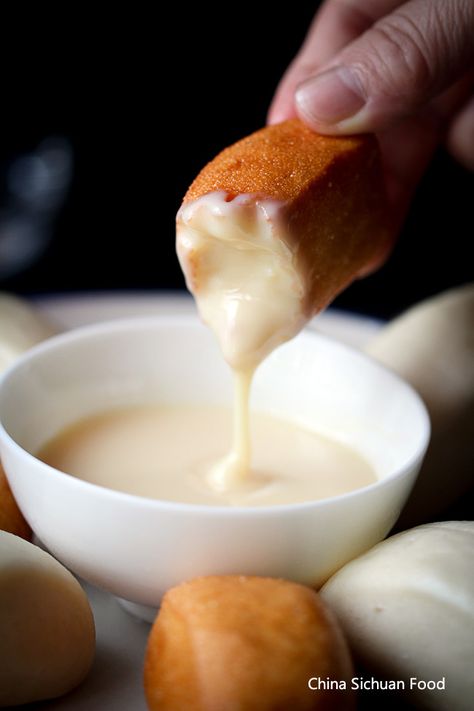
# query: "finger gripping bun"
238 642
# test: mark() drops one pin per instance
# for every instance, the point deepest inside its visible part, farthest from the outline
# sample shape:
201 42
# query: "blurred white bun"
21 327
432 347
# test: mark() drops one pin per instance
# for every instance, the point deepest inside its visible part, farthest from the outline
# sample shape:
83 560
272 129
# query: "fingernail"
330 97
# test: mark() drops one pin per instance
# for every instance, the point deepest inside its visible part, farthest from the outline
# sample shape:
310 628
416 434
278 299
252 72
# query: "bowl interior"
313 380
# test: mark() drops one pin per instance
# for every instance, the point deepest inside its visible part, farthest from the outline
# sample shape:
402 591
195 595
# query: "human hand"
403 70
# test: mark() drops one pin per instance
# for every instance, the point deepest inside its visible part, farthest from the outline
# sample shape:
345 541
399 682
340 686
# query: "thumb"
392 70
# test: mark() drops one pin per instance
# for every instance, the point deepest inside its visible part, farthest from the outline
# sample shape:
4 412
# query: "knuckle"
402 64
354 18
306 67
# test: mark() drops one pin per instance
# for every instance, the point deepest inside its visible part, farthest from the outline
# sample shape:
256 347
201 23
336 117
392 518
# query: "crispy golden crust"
278 161
238 642
11 518
333 193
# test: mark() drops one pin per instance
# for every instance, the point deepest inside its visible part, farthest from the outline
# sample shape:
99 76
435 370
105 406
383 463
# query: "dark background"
145 102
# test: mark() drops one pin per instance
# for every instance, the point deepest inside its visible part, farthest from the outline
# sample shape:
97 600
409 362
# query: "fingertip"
332 102
279 112
275 116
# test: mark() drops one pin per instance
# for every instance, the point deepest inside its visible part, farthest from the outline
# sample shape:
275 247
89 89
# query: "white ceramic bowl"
136 547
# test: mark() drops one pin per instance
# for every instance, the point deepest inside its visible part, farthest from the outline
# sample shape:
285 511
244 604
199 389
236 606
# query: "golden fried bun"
287 217
239 642
11 518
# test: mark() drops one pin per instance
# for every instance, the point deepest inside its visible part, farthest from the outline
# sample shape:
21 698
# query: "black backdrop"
145 102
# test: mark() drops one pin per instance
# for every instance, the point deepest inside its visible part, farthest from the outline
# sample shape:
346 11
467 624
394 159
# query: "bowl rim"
105 328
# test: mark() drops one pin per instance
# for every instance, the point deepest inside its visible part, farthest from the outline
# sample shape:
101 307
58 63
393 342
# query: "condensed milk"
239 267
167 453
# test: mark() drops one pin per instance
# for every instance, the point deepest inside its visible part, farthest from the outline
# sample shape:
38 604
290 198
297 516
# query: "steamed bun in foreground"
407 609
47 635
